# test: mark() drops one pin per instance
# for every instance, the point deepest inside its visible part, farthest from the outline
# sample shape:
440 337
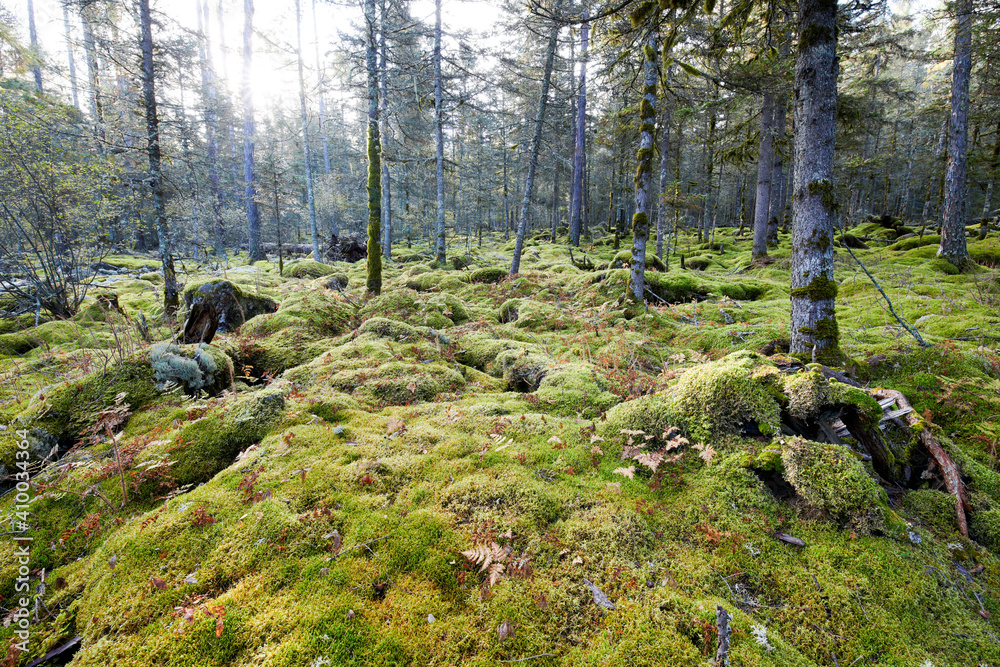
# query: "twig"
722 625
530 657
358 546
913 332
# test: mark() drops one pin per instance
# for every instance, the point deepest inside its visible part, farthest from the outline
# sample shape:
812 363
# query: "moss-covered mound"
234 305
307 268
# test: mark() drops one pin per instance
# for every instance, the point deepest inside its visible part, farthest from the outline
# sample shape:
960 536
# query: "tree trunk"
644 172
765 169
211 129
93 79
438 136
239 192
814 322
249 183
383 133
661 212
322 86
580 150
70 58
36 67
953 247
170 296
374 263
778 180
310 197
536 144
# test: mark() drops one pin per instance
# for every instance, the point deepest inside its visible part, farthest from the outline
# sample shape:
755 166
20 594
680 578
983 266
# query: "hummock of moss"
811 394
624 259
307 268
236 305
490 275
832 480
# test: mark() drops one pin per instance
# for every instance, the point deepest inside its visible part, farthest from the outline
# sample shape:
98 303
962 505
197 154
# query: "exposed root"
952 477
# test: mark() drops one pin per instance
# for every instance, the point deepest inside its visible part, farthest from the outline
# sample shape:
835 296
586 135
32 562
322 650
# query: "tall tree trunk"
70 57
438 136
374 263
383 133
644 172
310 197
765 169
953 247
536 144
578 194
661 212
249 182
814 290
170 296
555 199
322 88
237 167
211 128
36 67
93 78
778 180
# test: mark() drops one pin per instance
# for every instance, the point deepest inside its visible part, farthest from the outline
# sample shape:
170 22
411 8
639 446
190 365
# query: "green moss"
624 260
576 389
833 481
811 395
209 444
916 242
820 288
489 275
386 328
933 509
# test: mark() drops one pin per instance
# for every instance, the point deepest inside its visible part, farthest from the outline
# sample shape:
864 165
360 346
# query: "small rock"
915 537
430 618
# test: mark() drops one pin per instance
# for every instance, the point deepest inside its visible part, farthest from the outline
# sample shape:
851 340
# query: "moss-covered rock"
307 268
811 395
576 388
234 305
532 315
196 367
623 260
833 481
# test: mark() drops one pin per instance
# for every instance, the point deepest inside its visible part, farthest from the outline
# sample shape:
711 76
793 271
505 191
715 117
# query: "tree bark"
661 213
383 133
438 136
249 182
36 67
577 192
814 290
210 102
322 87
778 180
765 169
170 296
953 246
70 58
644 173
93 78
374 263
536 144
310 197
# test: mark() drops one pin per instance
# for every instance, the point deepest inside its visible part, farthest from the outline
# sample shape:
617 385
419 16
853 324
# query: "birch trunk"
536 144
438 136
765 169
644 173
310 197
580 150
249 182
93 78
953 246
813 319
170 296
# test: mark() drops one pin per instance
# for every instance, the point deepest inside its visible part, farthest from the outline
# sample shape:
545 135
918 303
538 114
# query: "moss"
235 305
933 509
576 389
207 445
489 275
522 369
17 343
812 35
727 397
915 242
624 260
811 395
942 265
400 383
820 288
152 277
386 328
830 479
397 304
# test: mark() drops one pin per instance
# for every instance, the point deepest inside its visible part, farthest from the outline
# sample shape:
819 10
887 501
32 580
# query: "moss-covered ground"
391 480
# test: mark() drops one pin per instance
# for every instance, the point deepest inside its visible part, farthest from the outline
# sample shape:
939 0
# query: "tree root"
952 477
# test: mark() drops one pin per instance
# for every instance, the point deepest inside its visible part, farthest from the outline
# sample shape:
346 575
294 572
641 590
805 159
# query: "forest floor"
475 470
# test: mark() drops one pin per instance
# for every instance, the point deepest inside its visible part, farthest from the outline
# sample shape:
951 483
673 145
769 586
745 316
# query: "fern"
490 558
